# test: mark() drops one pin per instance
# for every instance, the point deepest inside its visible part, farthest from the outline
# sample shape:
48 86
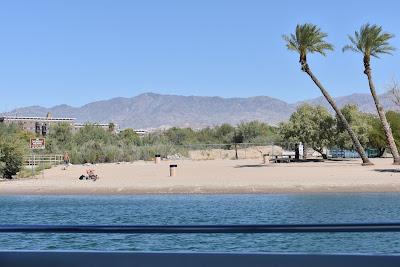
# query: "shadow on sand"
253 165
388 170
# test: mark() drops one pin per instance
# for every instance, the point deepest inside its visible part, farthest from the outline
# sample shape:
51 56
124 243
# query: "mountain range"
150 110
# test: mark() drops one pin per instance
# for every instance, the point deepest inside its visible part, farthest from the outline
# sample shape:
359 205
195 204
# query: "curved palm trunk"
353 136
382 116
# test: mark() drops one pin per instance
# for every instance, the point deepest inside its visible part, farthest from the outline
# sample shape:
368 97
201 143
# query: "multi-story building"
38 125
42 125
106 126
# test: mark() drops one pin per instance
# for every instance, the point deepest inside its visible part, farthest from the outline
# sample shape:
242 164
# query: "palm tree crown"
307 38
370 41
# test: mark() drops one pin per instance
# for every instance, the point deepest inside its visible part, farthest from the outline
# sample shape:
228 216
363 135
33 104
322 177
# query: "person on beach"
66 158
90 175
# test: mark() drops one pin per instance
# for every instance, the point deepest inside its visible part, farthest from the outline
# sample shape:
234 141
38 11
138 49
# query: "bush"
12 151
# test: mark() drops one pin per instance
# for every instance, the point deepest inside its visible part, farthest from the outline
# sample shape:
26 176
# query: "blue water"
204 209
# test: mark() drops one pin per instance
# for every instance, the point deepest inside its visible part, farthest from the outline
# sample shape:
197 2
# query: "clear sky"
77 51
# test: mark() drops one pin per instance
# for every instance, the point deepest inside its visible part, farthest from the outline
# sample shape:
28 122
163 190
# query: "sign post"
36 144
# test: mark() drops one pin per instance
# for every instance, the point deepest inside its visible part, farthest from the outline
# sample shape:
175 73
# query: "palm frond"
370 40
351 48
307 38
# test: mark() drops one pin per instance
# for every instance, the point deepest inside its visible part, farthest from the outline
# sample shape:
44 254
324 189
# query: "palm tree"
372 41
308 38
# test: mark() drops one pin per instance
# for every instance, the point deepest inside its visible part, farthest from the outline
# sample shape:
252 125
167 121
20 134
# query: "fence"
43 160
175 259
232 151
342 153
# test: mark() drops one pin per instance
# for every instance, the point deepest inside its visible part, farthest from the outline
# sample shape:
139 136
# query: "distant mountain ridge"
150 110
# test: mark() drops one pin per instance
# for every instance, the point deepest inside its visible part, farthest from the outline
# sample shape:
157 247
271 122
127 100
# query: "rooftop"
23 118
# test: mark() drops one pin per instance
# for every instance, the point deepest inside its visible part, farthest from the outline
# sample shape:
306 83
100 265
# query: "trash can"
157 159
172 170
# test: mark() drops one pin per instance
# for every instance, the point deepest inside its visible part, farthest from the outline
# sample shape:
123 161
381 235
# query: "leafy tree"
225 133
129 136
111 127
93 133
12 150
207 136
372 41
313 126
360 124
257 132
308 38
60 138
377 138
180 136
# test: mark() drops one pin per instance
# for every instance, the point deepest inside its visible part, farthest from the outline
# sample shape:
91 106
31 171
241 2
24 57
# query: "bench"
283 159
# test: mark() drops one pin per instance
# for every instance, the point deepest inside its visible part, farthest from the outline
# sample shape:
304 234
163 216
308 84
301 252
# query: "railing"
142 259
39 160
203 229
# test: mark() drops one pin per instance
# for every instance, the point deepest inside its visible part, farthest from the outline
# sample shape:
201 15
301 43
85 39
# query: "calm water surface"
204 209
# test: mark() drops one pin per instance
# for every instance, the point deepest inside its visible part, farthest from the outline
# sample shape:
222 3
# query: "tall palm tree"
308 38
372 41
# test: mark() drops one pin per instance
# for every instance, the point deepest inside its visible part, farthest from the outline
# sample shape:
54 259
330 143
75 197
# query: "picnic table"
283 159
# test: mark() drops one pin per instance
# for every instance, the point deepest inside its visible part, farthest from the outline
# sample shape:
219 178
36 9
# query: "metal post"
34 164
31 163
236 153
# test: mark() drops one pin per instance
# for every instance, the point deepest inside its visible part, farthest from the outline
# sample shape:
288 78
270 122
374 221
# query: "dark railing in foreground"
203 229
143 259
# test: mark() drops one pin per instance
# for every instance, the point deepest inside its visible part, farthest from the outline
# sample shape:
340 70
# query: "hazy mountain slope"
363 101
151 110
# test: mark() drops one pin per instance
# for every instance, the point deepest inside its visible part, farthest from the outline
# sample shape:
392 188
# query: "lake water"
204 209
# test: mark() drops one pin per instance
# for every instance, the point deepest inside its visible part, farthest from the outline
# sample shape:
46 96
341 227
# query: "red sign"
38 143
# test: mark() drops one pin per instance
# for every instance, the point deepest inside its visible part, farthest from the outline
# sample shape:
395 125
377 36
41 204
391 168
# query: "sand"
214 176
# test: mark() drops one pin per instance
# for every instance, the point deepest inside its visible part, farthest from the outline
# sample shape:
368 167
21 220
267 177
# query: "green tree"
60 138
93 133
372 41
12 150
360 124
225 133
313 126
129 137
180 136
111 127
207 136
377 138
257 132
308 38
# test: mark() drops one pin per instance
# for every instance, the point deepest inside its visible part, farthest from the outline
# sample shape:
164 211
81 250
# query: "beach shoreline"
213 177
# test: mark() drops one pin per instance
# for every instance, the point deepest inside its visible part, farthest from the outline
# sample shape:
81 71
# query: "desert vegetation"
314 126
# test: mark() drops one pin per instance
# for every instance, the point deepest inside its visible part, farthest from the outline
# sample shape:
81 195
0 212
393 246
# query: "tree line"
314 126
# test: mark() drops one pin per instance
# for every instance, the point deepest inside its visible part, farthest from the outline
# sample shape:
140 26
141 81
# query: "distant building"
141 132
38 125
42 125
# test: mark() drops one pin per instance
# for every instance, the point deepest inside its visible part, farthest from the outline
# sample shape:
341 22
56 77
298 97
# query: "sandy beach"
213 176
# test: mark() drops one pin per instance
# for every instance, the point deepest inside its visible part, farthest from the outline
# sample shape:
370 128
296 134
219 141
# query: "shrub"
12 151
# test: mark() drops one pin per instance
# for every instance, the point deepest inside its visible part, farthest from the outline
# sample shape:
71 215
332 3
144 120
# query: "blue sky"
75 51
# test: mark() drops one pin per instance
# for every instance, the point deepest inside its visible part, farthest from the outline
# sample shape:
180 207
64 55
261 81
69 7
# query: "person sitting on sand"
91 175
